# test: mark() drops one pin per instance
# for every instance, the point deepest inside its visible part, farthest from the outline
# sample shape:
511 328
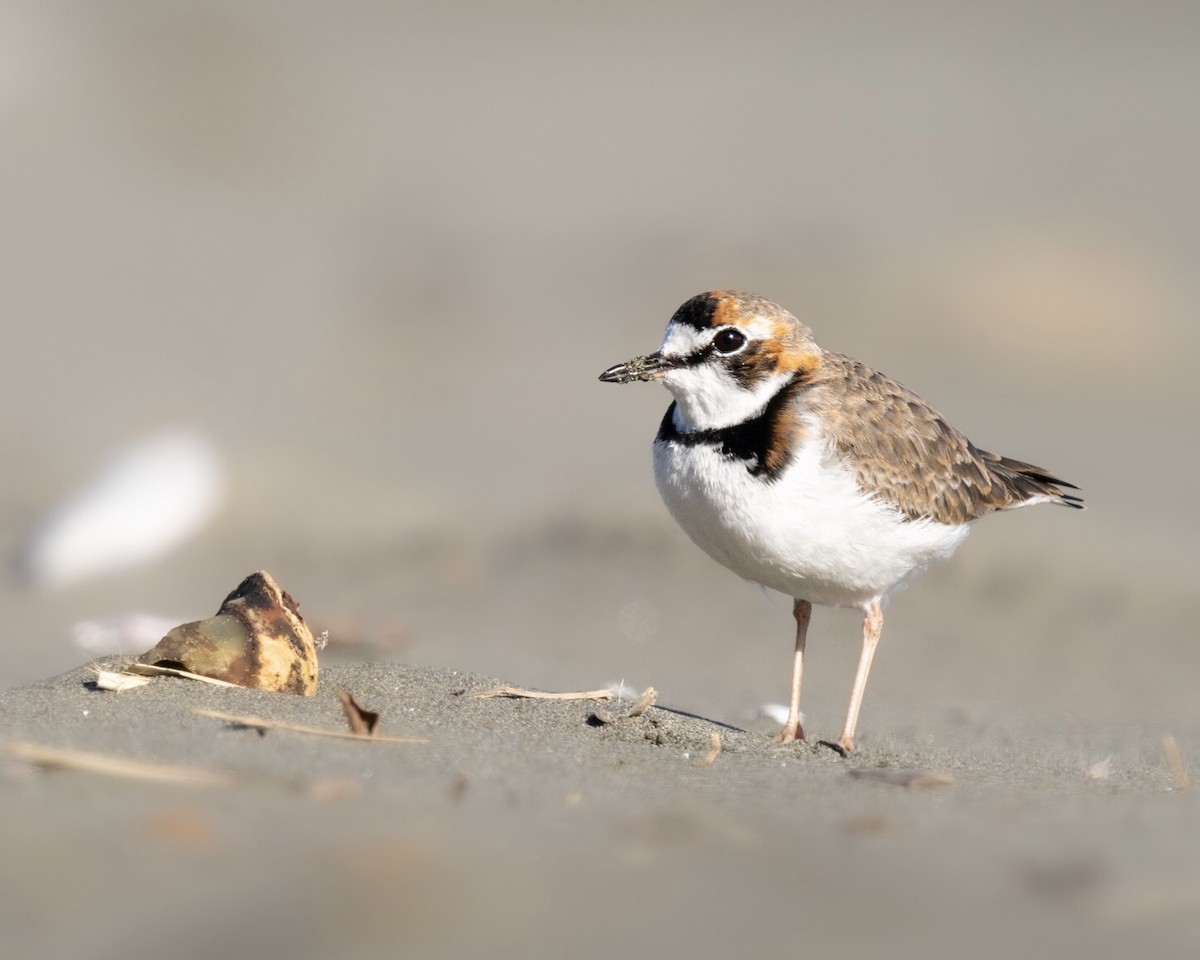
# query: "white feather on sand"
148 499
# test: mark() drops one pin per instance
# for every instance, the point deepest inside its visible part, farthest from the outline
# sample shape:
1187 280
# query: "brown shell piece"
257 639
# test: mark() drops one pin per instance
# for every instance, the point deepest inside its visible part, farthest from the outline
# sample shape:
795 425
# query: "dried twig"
262 723
156 670
62 758
540 694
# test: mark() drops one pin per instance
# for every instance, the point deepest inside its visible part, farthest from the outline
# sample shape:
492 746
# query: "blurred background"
373 257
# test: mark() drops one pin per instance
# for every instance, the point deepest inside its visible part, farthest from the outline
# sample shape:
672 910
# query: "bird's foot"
789 735
843 748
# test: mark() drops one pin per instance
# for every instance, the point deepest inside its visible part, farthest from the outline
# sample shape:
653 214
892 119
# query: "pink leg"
802 611
872 627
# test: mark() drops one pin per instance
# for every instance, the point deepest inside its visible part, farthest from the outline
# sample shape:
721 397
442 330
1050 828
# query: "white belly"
809 533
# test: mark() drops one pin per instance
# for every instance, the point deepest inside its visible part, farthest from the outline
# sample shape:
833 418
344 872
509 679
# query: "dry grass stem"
154 670
540 694
88 762
262 723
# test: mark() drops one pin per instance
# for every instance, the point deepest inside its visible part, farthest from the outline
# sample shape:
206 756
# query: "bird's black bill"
650 367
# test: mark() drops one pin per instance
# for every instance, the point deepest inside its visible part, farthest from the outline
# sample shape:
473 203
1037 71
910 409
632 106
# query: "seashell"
149 498
257 639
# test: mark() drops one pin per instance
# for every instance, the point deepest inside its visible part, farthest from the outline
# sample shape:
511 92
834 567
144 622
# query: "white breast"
809 533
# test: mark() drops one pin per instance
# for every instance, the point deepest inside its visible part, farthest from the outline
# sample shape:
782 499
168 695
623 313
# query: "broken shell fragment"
257 639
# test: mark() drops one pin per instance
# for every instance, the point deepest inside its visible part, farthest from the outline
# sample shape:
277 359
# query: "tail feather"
1026 483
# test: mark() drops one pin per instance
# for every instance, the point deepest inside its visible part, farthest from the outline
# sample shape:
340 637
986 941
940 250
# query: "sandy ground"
523 829
380 257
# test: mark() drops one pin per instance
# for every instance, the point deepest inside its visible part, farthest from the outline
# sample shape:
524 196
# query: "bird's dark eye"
729 340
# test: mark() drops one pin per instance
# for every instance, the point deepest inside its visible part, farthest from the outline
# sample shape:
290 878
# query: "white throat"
708 398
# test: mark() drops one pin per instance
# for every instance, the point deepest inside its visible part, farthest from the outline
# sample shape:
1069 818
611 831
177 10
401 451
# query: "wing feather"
905 453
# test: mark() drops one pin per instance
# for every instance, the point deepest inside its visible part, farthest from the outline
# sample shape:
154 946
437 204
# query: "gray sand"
521 829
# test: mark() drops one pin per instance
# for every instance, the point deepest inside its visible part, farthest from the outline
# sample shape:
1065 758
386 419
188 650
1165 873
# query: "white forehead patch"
681 340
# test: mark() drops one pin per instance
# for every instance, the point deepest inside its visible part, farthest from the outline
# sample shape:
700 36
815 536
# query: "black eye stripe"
697 358
705 353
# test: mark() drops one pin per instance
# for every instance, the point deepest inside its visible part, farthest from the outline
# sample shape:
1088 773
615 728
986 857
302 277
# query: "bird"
810 473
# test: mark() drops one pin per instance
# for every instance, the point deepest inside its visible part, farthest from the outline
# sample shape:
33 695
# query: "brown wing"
905 453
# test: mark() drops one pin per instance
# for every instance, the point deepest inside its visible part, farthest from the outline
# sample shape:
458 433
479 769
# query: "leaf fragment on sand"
520 692
1175 762
157 670
912 779
644 703
111 680
262 723
714 751
361 720
89 762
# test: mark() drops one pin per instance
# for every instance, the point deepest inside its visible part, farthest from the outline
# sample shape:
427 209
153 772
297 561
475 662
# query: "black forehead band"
697 313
